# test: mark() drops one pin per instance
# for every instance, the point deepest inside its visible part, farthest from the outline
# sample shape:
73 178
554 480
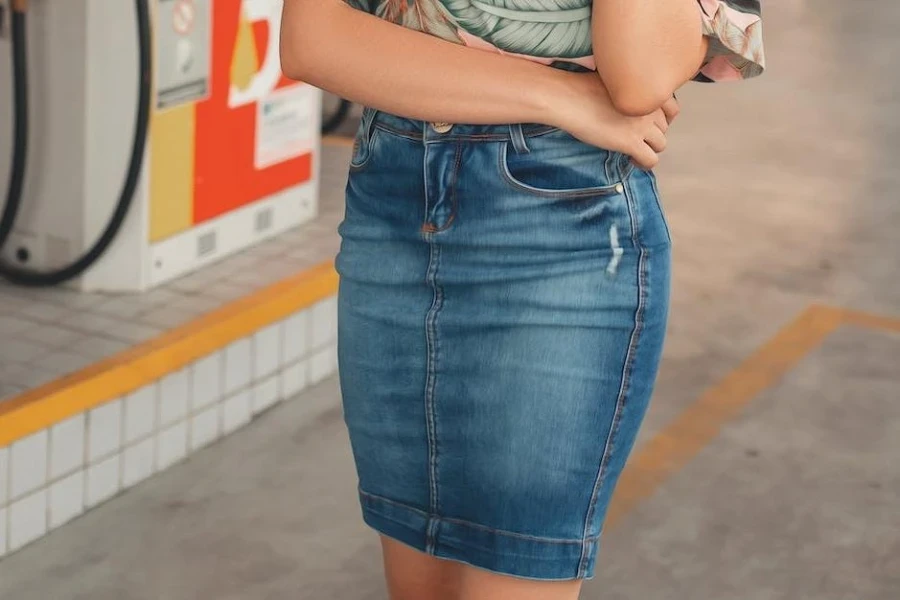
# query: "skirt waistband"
426 131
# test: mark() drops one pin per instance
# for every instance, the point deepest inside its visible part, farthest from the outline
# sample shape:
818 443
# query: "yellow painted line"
870 321
137 367
337 140
672 448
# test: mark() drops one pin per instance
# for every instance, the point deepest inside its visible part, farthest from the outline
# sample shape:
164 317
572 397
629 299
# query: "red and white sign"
184 15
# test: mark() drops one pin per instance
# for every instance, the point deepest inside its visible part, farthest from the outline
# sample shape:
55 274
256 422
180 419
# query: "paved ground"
781 193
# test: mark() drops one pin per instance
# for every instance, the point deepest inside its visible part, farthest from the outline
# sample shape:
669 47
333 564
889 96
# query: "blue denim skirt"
503 300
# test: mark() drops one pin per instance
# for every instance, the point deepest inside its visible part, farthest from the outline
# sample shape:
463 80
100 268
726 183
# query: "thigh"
550 334
382 303
550 331
414 575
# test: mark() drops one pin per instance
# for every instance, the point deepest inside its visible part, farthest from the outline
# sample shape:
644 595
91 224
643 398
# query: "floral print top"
558 32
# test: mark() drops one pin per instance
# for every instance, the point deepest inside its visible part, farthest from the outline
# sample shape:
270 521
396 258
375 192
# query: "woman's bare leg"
476 584
412 575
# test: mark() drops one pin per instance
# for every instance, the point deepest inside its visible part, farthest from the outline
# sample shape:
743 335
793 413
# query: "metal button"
442 127
620 188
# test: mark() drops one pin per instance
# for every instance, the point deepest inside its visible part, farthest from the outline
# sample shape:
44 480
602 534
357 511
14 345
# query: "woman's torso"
558 32
553 32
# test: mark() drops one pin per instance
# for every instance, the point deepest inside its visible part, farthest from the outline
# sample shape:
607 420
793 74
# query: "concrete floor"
780 193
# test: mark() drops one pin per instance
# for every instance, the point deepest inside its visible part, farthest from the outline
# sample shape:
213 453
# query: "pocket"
559 166
363 142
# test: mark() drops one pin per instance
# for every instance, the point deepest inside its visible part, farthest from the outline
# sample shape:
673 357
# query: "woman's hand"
586 111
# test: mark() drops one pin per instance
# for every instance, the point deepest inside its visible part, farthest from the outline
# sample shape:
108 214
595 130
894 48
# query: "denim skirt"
503 300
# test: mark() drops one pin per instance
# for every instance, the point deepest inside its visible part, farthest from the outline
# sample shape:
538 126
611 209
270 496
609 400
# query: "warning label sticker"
184 14
183 51
286 125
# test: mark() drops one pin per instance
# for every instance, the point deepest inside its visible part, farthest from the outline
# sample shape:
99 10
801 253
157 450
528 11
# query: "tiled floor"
49 333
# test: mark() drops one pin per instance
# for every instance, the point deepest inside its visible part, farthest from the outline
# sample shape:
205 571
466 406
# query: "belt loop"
626 167
619 167
517 135
368 122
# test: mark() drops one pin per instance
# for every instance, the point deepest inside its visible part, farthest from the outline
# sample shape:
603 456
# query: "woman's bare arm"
646 49
388 67
368 60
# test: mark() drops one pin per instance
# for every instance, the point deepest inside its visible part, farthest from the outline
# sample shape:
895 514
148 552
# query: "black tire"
332 121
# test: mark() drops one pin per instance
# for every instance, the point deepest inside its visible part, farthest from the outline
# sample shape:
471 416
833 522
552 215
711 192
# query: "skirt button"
442 127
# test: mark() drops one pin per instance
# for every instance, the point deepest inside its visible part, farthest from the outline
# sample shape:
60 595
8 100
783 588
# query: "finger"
661 121
656 139
644 157
671 108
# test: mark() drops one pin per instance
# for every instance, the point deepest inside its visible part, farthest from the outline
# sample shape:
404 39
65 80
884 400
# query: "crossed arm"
646 49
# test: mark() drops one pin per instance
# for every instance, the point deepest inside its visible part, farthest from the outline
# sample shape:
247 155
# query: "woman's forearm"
376 63
646 49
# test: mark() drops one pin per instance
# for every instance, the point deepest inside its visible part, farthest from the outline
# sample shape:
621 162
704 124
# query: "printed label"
184 15
286 125
183 56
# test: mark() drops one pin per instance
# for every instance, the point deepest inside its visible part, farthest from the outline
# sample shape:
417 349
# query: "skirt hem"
504 553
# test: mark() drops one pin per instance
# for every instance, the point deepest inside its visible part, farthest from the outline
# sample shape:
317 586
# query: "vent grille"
206 244
263 220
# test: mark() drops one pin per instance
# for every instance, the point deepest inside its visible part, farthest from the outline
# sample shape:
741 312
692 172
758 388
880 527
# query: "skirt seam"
431 342
464 523
627 369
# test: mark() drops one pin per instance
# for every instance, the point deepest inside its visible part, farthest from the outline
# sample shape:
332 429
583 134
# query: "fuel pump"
217 148
13 17
19 51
